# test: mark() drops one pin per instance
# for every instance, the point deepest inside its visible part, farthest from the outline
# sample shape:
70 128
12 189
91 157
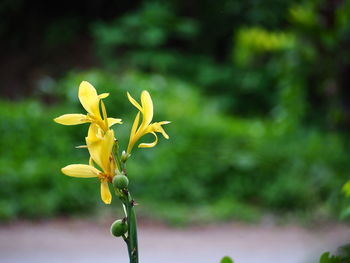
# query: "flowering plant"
106 163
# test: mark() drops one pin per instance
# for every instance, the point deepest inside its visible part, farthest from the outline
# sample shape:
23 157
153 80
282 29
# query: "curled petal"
147 106
94 133
134 102
112 121
106 149
105 193
89 99
80 170
164 122
103 96
150 145
71 119
157 127
135 124
133 137
104 114
100 150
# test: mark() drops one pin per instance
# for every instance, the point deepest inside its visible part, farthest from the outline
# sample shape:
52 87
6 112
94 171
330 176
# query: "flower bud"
125 156
119 228
120 181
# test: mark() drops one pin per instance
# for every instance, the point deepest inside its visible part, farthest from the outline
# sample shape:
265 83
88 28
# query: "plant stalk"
131 238
132 230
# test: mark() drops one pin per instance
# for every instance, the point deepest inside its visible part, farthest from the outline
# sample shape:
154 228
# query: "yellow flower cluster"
100 139
146 109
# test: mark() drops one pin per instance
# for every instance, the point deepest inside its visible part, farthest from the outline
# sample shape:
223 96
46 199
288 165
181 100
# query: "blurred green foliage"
256 92
252 41
342 256
327 258
226 260
212 159
30 182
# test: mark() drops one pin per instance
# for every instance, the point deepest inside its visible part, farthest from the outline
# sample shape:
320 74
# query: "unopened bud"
120 181
119 228
125 156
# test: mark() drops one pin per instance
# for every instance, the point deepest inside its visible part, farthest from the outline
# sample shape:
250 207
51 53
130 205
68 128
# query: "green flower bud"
125 156
119 228
120 181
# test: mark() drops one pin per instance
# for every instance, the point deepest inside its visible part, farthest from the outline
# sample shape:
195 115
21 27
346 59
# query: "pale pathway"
88 242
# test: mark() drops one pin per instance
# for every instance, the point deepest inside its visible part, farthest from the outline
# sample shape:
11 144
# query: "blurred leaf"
255 40
303 14
226 260
327 258
346 188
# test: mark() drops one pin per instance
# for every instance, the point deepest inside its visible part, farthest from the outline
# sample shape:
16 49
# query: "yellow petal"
112 121
164 122
134 102
135 124
133 138
112 165
80 170
81 147
150 145
106 148
89 99
100 150
105 193
103 96
157 127
147 106
104 114
71 119
94 148
95 133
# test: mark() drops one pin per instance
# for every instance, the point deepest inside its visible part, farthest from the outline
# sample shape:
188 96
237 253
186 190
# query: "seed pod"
119 228
120 181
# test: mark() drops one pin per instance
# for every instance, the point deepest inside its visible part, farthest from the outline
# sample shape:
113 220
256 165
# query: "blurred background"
256 91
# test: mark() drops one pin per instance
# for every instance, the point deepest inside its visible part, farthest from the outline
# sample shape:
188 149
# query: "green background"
256 92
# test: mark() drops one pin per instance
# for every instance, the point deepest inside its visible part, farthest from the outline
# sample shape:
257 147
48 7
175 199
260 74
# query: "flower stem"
132 230
131 238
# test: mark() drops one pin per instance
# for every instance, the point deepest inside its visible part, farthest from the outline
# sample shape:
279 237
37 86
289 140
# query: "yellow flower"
100 149
90 100
146 109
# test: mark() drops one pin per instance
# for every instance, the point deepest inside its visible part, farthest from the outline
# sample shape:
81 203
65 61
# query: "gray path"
88 242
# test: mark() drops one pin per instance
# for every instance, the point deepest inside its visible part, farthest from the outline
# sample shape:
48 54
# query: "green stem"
132 231
131 239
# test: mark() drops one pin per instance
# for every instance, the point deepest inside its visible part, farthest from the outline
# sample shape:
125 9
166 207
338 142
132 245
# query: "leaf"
326 258
345 213
346 189
226 260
